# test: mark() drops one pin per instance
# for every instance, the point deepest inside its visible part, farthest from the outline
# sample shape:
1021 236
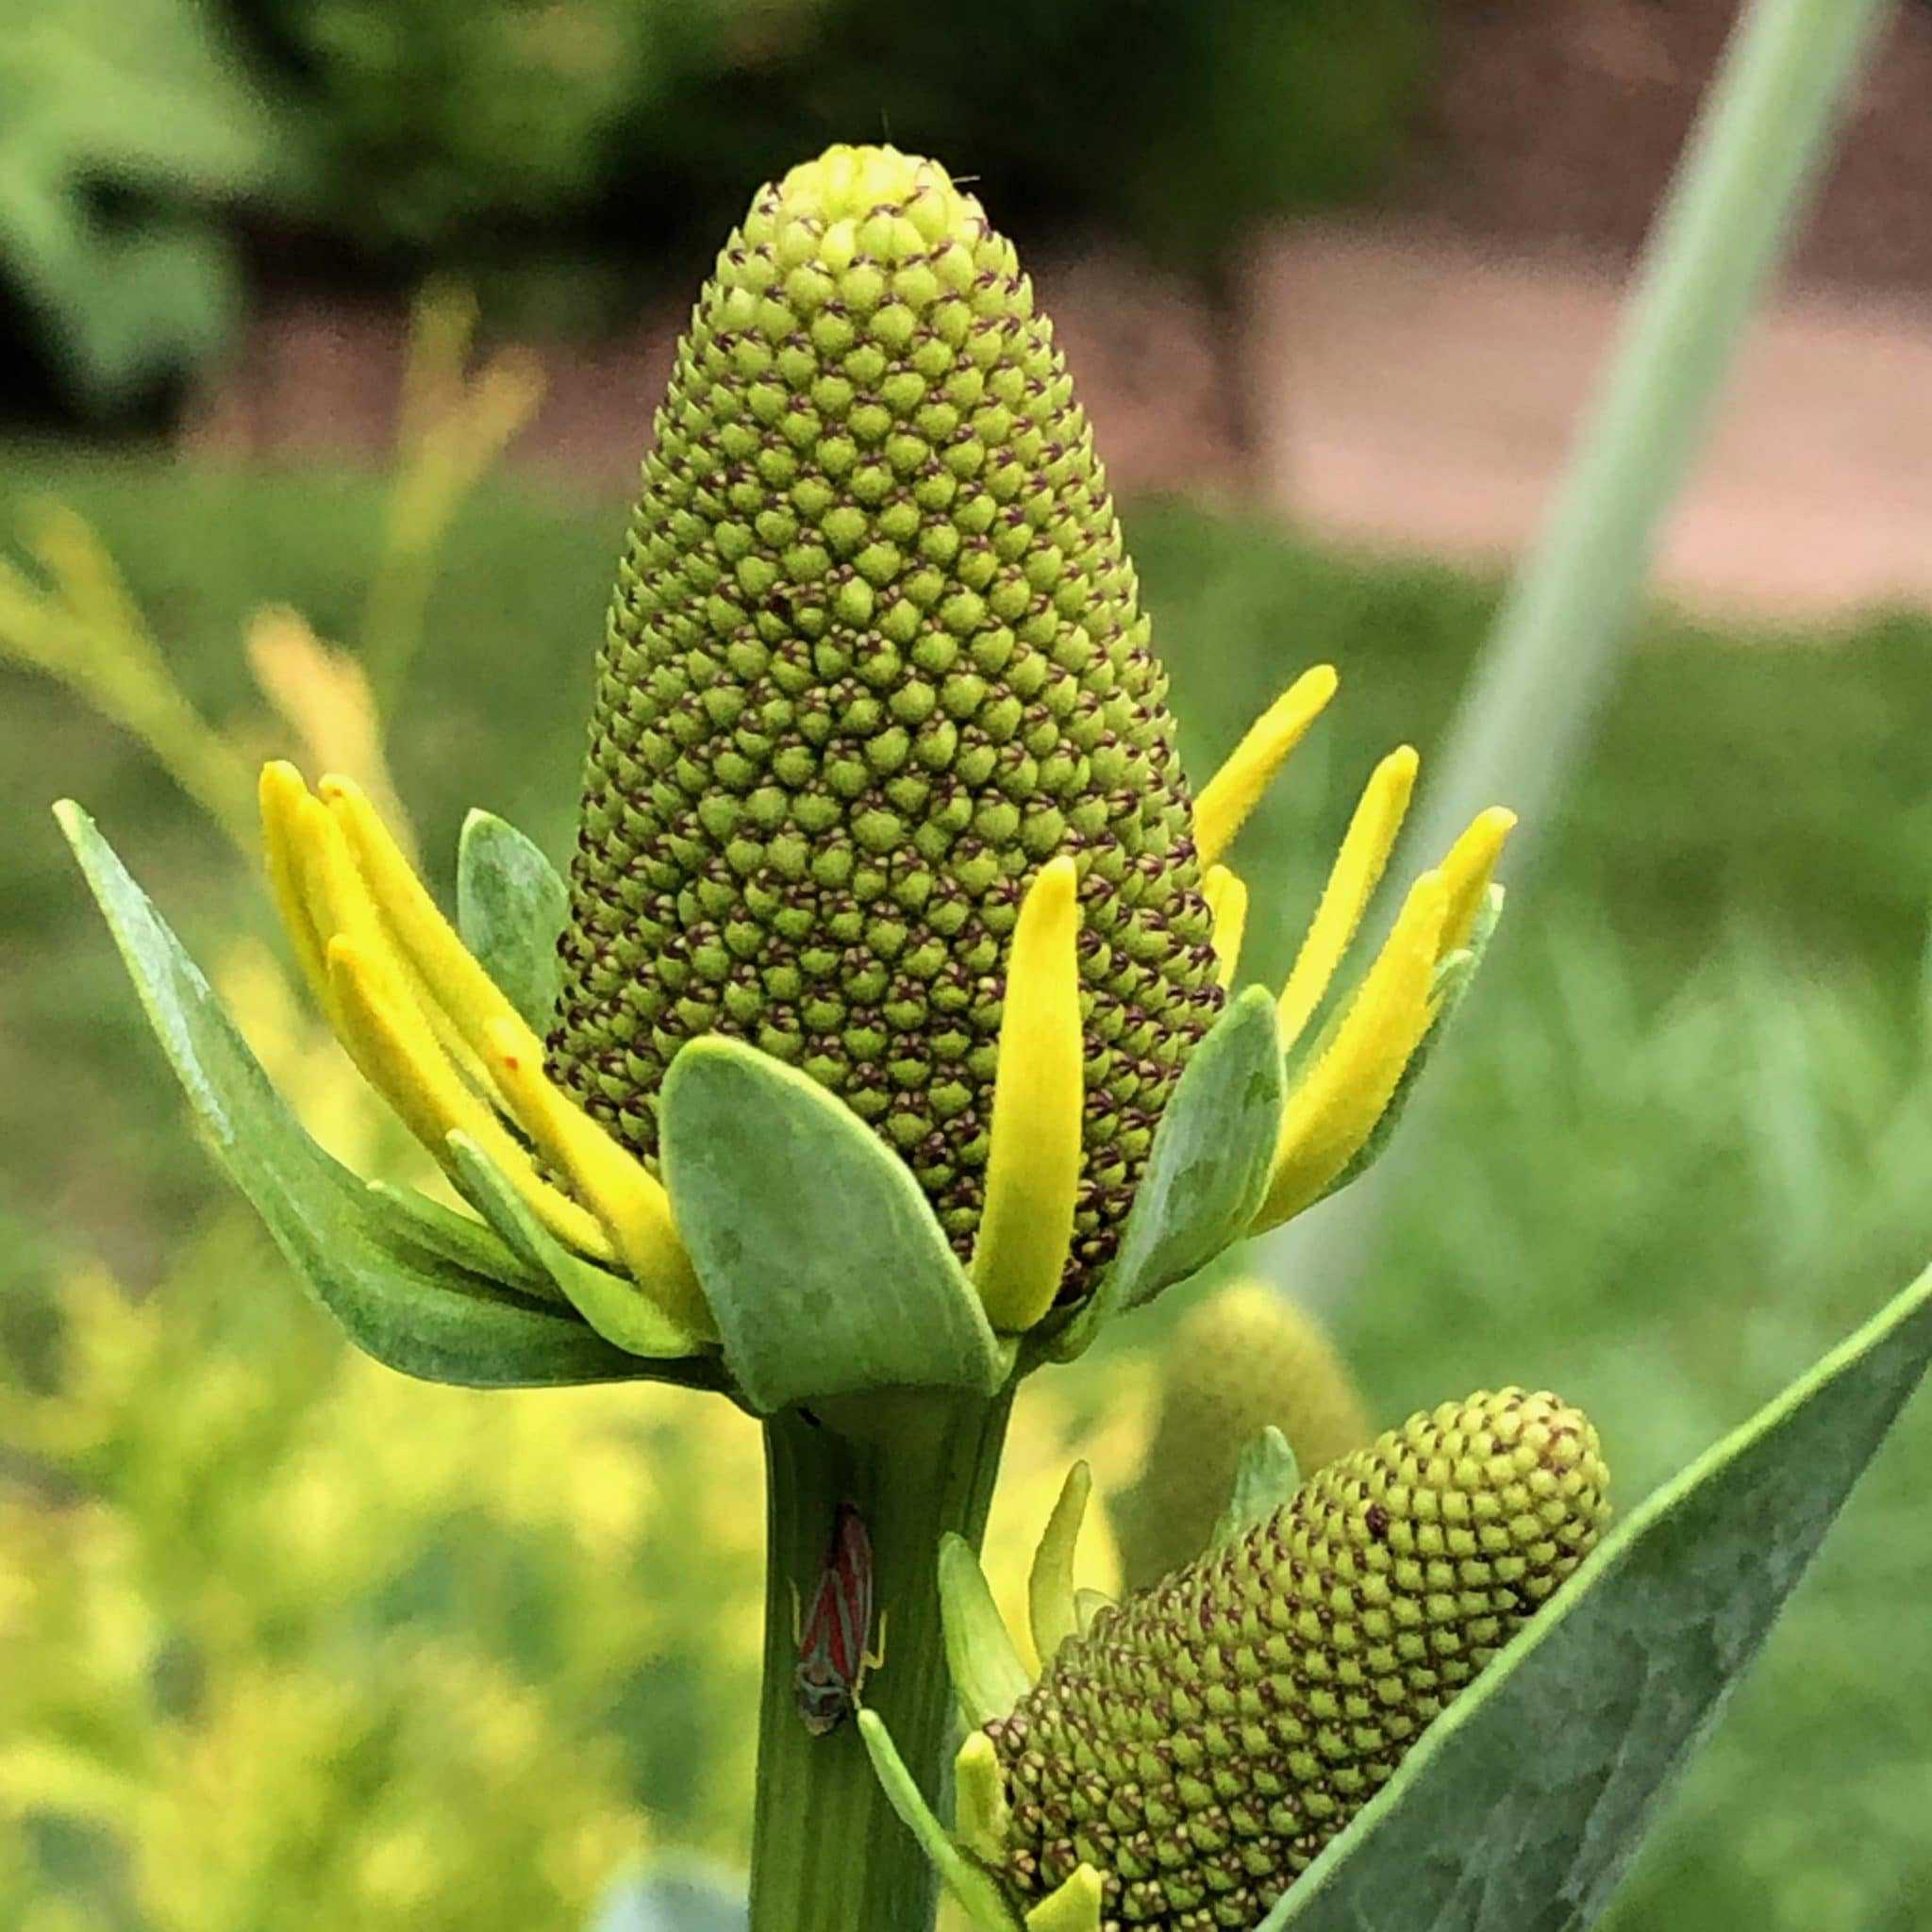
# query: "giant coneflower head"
875 655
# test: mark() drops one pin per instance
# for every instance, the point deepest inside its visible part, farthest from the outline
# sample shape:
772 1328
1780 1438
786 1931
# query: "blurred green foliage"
126 135
1681 1147
559 151
442 128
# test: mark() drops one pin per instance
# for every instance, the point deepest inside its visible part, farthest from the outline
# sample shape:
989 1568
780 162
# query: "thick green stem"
828 1853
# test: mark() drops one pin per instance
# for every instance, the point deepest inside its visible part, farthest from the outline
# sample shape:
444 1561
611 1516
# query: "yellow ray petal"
282 792
446 967
389 1040
1227 905
1234 790
1357 873
1467 869
340 901
1330 1113
620 1191
1033 1163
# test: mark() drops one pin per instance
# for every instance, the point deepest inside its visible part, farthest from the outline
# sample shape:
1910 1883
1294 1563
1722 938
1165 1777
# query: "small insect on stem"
834 1637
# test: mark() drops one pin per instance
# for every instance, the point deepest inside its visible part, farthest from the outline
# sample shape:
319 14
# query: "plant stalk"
828 1853
1519 735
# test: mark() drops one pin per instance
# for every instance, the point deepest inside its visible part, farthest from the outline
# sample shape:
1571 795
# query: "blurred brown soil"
1409 379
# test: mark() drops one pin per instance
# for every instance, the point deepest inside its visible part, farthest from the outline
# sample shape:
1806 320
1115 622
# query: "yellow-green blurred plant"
72 618
1243 1360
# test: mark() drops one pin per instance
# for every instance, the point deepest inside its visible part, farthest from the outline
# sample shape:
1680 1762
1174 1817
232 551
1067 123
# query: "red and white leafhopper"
834 1637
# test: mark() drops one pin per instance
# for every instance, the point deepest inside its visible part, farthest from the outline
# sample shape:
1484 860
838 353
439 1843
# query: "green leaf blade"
511 905
1207 1171
821 1259
362 1254
1524 1804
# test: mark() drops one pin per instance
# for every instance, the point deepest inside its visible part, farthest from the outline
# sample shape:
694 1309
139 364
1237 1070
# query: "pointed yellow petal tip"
1334 1108
1469 868
1075 1907
981 1813
1033 1163
282 794
1358 870
1236 789
628 1200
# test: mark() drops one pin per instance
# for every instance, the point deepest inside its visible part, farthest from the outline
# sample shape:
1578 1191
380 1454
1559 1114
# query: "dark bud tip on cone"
1204 1743
875 654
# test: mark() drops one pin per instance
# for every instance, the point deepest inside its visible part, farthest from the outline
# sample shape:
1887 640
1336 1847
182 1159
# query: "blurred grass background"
290 1641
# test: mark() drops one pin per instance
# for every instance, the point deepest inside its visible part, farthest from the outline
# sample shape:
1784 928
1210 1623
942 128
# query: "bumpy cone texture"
1204 1741
1243 1359
875 654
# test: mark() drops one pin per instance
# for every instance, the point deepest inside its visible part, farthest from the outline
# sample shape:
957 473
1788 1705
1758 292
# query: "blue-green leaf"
819 1254
674 1895
989 1677
1526 1801
613 1305
1265 1477
363 1256
511 907
1207 1169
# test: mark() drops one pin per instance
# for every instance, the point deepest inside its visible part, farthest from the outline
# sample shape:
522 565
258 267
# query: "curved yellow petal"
390 1041
1330 1113
282 791
1234 790
446 967
622 1193
1227 905
1033 1163
1467 869
340 902
1352 882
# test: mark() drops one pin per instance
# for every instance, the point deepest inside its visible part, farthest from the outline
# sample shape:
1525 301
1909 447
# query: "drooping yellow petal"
282 792
1033 1163
620 1191
446 967
1331 1111
1352 882
340 901
1234 790
392 1044
1467 869
1227 905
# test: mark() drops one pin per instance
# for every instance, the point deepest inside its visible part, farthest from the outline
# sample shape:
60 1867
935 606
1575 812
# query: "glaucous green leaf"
1206 1171
511 907
824 1266
363 1256
1525 1802
1265 1477
675 1896
982 1661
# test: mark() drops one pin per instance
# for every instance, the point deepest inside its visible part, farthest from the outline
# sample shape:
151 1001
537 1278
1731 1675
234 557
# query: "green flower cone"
1200 1744
875 654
